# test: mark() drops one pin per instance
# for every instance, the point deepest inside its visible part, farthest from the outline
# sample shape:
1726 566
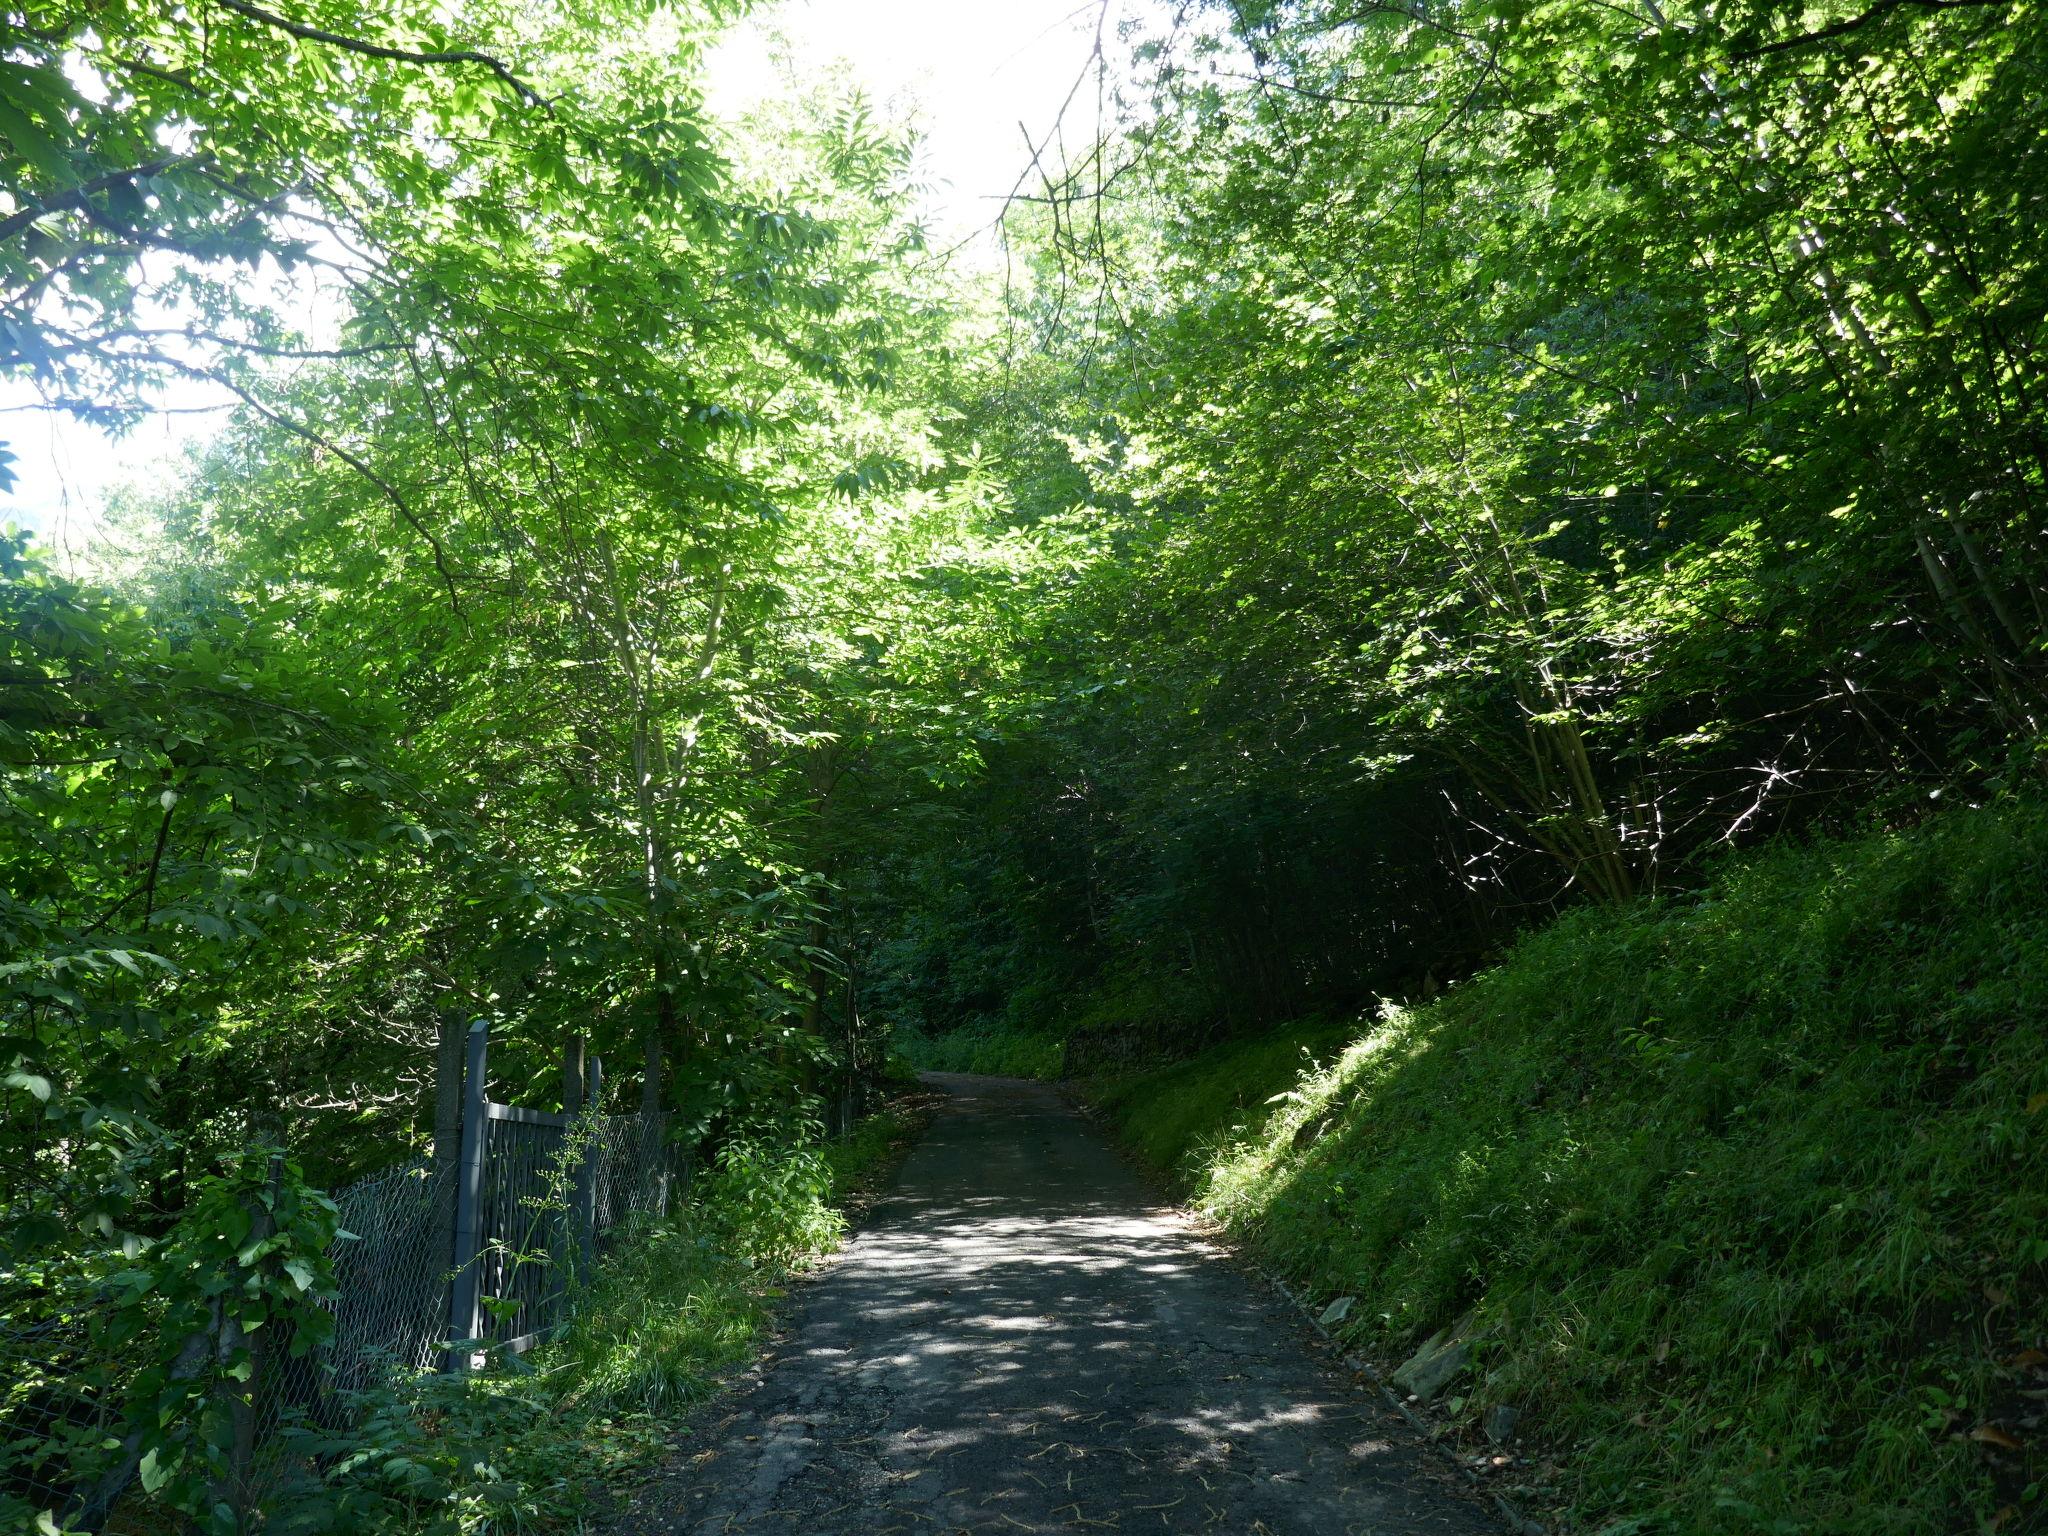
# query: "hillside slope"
1743 1201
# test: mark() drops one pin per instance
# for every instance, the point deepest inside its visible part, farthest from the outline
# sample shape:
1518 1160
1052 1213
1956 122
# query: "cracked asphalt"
1021 1338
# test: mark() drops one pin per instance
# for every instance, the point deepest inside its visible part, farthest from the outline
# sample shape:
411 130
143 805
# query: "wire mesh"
522 1220
638 1171
390 1315
552 1198
392 1268
48 1410
391 1274
546 1187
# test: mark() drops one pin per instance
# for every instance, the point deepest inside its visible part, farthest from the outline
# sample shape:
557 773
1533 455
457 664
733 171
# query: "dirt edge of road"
1235 1252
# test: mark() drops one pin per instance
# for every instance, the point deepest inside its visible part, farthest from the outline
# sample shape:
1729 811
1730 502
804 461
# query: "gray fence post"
574 1070
465 1287
650 1193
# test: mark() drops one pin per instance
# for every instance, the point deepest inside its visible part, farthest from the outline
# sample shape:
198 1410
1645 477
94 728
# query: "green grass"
670 1311
1748 1195
998 1050
867 1154
1186 1115
535 1444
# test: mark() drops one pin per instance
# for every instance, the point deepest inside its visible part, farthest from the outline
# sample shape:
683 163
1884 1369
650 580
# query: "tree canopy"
1428 464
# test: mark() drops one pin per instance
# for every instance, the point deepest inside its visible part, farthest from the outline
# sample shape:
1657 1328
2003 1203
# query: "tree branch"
76 198
348 44
1850 24
300 430
156 861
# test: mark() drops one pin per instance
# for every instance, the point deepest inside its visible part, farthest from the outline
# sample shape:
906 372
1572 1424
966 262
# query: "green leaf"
32 144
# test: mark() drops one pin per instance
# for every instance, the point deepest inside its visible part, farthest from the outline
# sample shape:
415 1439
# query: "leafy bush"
525 1444
1744 1196
529 1443
154 1349
770 1207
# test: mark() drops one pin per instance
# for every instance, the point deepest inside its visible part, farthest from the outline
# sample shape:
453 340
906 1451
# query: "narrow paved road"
1023 1339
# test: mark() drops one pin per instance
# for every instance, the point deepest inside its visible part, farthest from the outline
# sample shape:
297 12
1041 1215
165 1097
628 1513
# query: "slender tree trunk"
654 1149
448 1044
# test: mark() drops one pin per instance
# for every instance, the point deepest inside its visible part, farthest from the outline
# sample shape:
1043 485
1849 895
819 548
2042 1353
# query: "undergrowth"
997 1049
533 1444
1178 1117
1744 1198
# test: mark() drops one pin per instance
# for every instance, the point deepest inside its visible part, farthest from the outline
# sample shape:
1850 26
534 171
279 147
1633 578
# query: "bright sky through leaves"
969 73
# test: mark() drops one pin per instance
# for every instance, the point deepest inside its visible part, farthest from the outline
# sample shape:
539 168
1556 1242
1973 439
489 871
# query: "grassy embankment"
1744 1199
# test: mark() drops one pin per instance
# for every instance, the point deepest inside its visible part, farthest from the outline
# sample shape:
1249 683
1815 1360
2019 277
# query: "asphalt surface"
1022 1338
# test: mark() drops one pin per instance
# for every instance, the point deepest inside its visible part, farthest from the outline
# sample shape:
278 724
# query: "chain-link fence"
47 1409
554 1193
391 1274
551 1197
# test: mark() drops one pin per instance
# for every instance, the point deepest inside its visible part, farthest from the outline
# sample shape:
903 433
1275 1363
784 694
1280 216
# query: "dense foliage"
1434 464
1505 454
493 660
470 668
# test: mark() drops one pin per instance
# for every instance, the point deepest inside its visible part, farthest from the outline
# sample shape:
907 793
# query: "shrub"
996 1050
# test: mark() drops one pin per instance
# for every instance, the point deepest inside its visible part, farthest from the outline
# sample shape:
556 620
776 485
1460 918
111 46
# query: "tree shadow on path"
1022 1339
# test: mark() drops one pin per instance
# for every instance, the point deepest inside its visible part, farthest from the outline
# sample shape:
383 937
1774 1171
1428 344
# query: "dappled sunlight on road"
1023 1340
